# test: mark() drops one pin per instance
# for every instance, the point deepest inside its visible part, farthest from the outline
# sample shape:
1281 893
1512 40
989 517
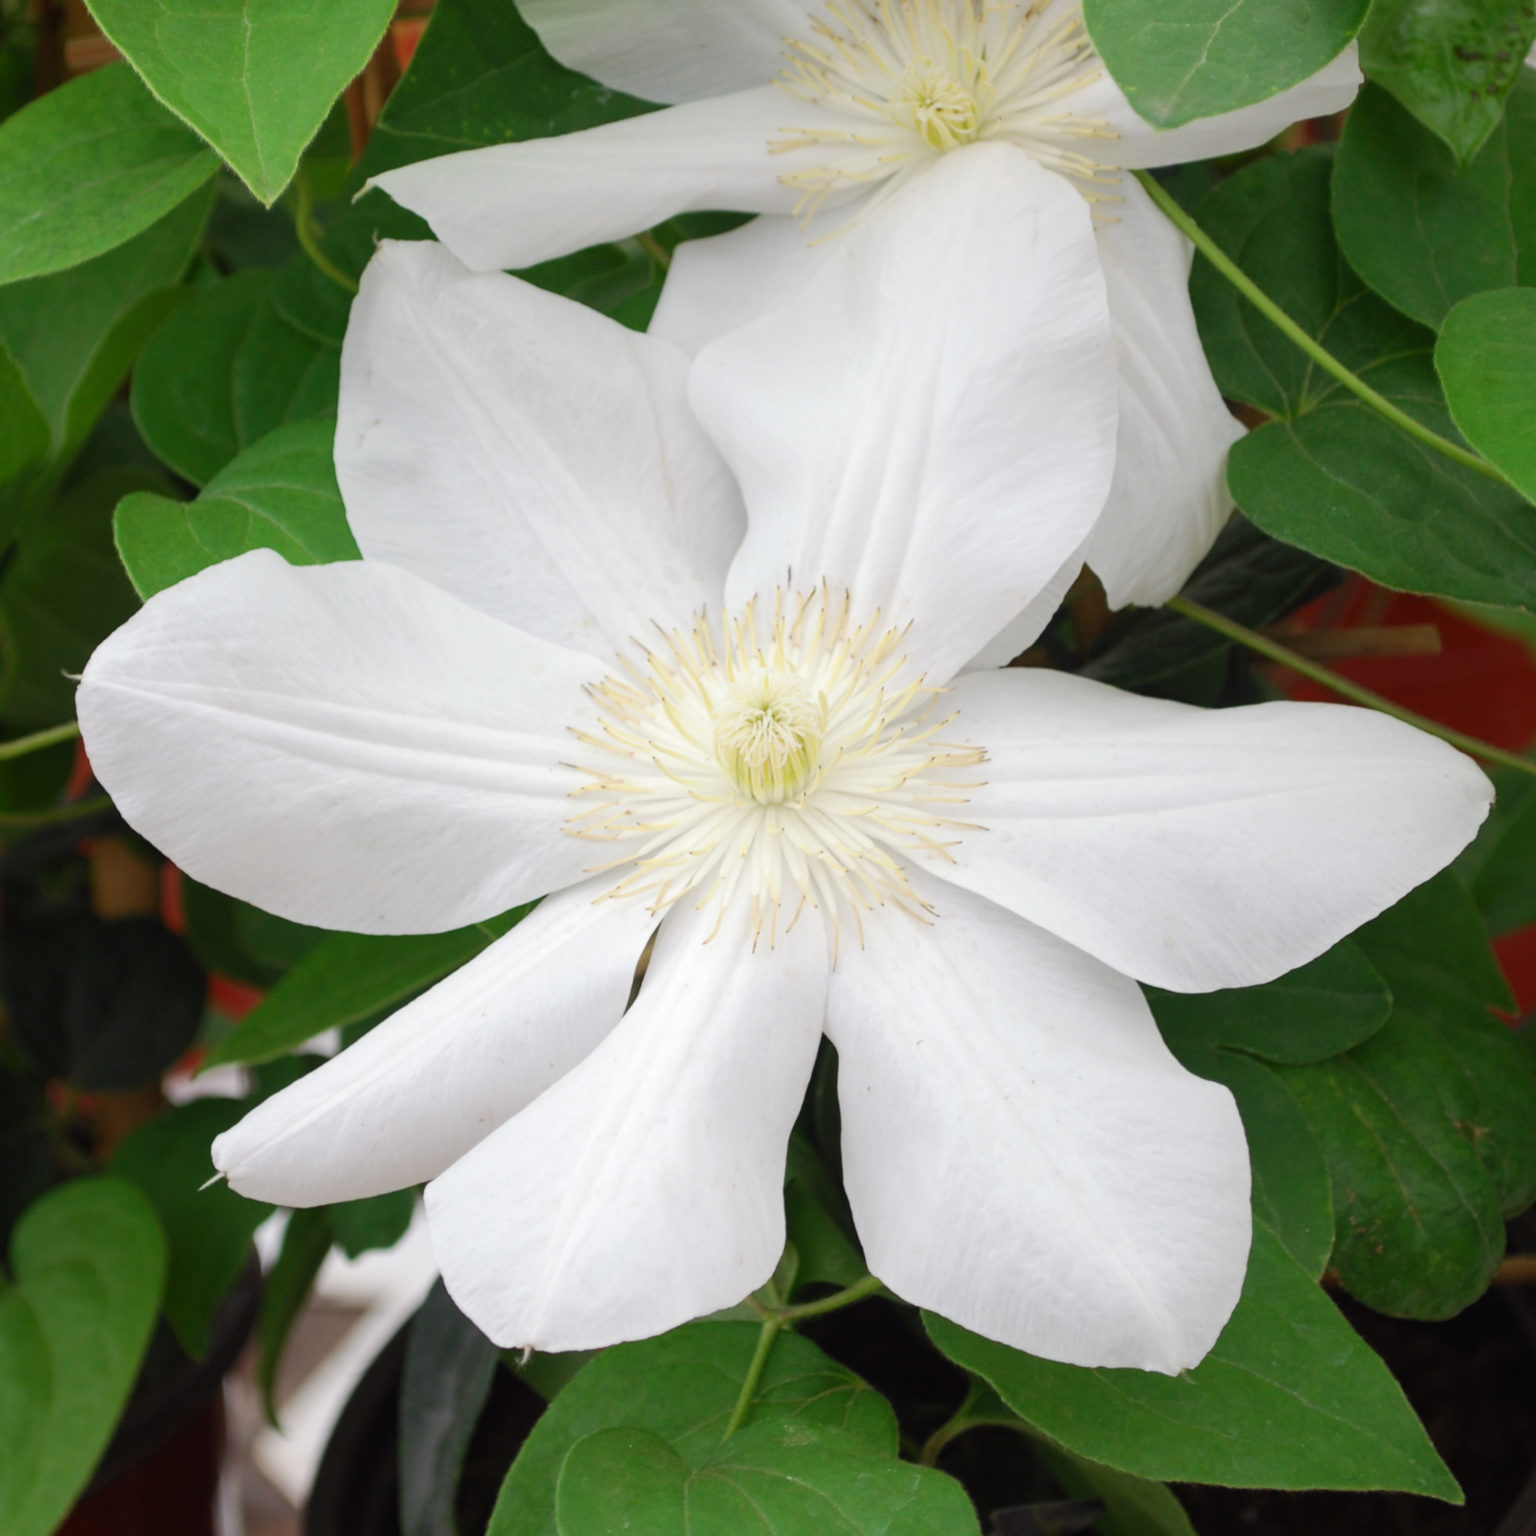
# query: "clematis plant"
571 661
812 115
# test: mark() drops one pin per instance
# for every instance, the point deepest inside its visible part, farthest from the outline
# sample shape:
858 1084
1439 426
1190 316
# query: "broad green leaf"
241 941
375 1221
306 1242
1450 62
818 1222
769 1479
1202 57
1421 231
256 78
349 977
449 1364
1289 1397
1331 475
224 371
24 436
481 77
279 494
61 594
1314 1012
87 1264
1487 361
74 335
86 168
1500 866
682 1387
1309 1014
208 1227
1133 1506
1426 1127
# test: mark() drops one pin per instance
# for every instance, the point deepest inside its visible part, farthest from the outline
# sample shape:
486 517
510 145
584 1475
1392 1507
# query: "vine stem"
775 1320
1319 354
37 741
309 236
1342 686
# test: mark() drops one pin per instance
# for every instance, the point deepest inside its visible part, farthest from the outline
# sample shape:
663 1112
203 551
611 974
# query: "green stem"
957 1424
833 1303
38 741
775 1320
1319 354
309 235
27 821
1342 685
772 1325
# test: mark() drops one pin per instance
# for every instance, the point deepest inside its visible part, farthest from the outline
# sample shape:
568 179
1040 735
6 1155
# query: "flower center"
768 734
896 82
793 754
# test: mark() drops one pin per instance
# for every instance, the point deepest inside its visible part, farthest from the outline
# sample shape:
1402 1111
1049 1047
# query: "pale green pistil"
768 732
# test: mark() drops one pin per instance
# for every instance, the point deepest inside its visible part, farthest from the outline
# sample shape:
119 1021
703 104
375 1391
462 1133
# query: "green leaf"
86 168
305 1245
376 1221
1311 1014
224 371
482 77
208 1227
254 77
1421 231
1133 1506
1487 361
1289 1397
1500 866
349 977
73 336
818 1222
279 494
449 1364
1177 63
770 1479
1331 475
61 594
24 436
1316 1011
682 1387
1450 62
236 939
87 1265
1426 1127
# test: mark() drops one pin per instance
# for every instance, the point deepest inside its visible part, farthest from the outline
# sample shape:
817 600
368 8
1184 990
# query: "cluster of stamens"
896 82
792 756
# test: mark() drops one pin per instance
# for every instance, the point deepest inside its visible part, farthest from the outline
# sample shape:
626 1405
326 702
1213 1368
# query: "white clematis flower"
788 779
810 113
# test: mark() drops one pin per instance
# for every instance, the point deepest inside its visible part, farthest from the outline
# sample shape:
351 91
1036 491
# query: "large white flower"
571 661
810 113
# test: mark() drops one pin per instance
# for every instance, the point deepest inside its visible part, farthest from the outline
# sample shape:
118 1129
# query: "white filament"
897 82
789 753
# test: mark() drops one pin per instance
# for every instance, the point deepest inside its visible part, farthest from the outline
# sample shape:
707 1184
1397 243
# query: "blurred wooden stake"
1366 640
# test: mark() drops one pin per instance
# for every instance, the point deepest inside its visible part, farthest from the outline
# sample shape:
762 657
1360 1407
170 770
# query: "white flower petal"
932 424
340 744
422 1088
1169 498
669 50
527 454
1195 848
721 283
644 1188
1024 628
1023 1154
1139 145
517 204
